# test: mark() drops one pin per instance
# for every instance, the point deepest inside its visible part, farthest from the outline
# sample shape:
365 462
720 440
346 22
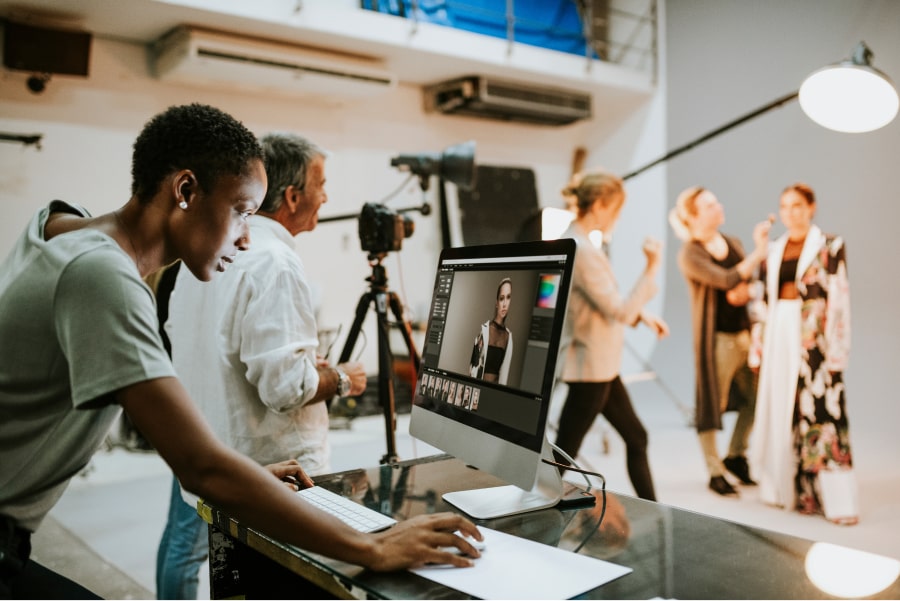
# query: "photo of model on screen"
467 398
493 348
476 393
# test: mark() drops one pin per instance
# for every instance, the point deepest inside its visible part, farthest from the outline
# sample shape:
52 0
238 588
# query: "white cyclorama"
516 457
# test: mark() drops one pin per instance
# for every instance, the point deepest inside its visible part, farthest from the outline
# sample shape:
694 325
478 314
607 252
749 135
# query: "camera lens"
409 226
37 83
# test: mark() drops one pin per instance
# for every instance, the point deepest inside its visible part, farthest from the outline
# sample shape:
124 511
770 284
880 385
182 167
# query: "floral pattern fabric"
819 428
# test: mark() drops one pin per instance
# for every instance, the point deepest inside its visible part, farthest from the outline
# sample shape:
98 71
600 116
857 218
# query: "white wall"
728 57
89 125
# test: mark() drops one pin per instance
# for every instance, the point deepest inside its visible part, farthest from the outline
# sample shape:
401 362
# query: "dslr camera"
381 230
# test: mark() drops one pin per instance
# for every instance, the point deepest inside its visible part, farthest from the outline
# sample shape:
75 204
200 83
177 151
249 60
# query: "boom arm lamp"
851 96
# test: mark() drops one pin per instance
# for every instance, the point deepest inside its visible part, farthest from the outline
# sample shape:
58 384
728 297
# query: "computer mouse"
478 544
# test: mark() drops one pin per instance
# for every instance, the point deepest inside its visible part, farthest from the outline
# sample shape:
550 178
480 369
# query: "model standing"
801 448
492 352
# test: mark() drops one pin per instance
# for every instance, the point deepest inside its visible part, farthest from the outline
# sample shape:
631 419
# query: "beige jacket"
597 314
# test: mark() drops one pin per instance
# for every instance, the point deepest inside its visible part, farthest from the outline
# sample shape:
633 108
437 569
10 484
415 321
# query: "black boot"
720 485
738 466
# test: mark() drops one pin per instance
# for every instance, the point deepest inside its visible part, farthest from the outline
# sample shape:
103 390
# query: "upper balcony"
619 61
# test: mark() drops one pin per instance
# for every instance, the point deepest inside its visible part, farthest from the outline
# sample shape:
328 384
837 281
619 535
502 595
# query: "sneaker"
845 521
721 486
738 466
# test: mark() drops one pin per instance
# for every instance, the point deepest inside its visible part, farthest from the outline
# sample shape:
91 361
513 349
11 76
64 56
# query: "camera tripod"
379 295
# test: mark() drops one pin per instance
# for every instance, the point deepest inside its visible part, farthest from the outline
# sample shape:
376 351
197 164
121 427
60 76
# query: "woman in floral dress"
801 448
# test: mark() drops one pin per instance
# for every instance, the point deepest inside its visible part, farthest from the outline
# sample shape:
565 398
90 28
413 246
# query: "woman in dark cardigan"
717 273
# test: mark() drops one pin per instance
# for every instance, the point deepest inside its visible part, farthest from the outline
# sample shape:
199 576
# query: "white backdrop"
728 57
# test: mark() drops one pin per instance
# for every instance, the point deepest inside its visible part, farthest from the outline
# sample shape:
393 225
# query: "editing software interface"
490 345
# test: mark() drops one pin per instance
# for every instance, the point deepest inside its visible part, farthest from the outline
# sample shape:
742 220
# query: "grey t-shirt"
77 323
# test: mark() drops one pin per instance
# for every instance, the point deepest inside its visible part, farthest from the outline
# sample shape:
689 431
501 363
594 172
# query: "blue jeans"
182 550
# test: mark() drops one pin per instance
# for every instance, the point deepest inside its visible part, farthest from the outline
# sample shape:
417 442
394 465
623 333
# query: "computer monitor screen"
489 361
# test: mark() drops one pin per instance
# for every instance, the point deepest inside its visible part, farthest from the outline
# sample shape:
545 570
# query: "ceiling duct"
198 56
487 97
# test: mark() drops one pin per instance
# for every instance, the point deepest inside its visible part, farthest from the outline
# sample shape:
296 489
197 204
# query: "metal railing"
623 32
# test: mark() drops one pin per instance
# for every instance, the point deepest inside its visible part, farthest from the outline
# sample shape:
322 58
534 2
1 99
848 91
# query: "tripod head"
378 278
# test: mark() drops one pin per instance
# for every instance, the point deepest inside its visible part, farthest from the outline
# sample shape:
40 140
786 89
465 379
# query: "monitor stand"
499 501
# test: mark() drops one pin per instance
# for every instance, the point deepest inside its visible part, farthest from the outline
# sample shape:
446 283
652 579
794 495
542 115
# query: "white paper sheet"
516 568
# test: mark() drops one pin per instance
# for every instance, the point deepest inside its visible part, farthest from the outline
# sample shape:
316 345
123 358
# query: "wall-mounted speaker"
45 50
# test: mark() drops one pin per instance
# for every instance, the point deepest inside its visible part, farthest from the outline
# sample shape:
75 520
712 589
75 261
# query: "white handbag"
838 493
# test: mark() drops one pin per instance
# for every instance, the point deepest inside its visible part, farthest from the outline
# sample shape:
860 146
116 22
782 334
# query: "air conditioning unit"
481 96
194 55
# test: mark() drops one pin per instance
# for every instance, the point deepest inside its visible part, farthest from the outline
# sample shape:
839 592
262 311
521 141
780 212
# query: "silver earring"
182 205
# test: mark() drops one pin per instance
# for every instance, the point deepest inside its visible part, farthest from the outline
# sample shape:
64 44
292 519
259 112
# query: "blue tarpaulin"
552 24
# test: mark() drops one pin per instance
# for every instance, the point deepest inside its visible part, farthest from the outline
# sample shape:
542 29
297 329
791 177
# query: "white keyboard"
347 510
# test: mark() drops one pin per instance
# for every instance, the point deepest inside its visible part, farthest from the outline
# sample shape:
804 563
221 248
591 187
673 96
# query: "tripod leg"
361 308
405 329
385 378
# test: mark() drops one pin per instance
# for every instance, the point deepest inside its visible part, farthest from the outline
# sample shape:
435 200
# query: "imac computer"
488 368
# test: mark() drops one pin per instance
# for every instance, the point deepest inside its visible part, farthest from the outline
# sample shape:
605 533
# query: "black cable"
574 463
399 189
381 202
365 343
337 334
573 468
596 527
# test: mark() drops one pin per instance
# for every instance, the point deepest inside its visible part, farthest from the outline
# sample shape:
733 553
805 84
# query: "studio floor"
105 531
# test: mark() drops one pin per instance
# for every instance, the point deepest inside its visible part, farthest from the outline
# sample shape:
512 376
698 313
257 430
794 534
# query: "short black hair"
202 138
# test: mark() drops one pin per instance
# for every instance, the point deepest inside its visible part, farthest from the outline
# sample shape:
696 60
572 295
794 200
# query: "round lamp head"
458 165
851 96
